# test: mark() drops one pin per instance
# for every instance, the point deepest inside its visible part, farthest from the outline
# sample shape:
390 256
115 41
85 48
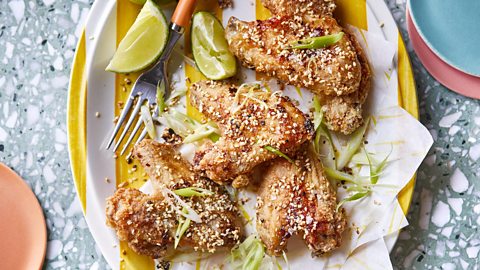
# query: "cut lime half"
210 48
143 43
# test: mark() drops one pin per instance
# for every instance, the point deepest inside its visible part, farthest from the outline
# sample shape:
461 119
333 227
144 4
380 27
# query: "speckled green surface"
37 43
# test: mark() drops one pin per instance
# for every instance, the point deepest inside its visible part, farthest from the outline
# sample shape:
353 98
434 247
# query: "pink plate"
23 235
447 75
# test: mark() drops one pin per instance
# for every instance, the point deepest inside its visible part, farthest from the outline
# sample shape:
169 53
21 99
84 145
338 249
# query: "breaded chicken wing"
339 74
344 113
163 164
298 199
149 222
266 47
250 119
294 7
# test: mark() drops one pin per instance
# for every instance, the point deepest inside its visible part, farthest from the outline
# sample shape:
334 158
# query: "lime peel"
210 48
143 43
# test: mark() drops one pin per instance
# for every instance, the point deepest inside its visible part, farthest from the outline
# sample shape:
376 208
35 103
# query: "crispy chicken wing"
265 46
294 7
250 119
339 74
149 222
344 113
298 199
163 164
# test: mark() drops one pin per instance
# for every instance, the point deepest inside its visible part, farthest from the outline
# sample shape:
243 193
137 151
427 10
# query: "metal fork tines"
145 90
142 92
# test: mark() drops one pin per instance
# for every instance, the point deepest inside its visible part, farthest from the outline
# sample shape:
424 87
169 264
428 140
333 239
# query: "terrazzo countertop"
37 45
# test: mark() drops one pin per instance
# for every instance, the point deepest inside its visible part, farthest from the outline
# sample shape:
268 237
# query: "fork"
145 87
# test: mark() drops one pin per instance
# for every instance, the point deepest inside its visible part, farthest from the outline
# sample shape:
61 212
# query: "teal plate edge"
461 36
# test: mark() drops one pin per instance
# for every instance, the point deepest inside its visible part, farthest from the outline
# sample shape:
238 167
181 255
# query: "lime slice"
143 43
210 48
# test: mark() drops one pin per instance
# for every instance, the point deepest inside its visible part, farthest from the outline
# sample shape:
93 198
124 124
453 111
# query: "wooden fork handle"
183 12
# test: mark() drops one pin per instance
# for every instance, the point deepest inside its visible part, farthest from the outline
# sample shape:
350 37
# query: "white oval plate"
92 91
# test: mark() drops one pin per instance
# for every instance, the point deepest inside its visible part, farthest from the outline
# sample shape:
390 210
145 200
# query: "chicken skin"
149 222
298 199
253 121
266 46
339 74
344 113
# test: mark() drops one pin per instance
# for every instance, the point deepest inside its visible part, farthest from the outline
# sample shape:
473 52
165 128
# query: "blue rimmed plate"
451 29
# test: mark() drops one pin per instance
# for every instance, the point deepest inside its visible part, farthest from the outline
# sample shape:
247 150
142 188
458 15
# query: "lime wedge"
210 48
143 43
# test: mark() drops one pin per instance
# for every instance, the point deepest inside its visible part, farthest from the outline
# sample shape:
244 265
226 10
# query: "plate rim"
432 68
430 45
77 109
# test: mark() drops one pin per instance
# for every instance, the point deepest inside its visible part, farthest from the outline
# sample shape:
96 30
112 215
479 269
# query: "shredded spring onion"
148 121
317 42
162 104
179 122
372 179
189 129
354 144
183 224
202 131
161 97
299 91
360 189
376 169
361 159
251 91
176 94
354 197
278 153
244 213
248 255
191 214
321 131
286 260
329 158
192 192
338 175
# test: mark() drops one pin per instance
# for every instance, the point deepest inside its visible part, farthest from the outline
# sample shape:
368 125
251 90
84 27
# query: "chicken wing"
339 74
293 7
266 46
251 120
163 164
298 199
149 222
344 113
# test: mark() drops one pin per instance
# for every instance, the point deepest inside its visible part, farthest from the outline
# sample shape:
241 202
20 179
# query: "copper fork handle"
183 12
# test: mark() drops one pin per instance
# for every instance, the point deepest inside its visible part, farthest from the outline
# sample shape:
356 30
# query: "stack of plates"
446 37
